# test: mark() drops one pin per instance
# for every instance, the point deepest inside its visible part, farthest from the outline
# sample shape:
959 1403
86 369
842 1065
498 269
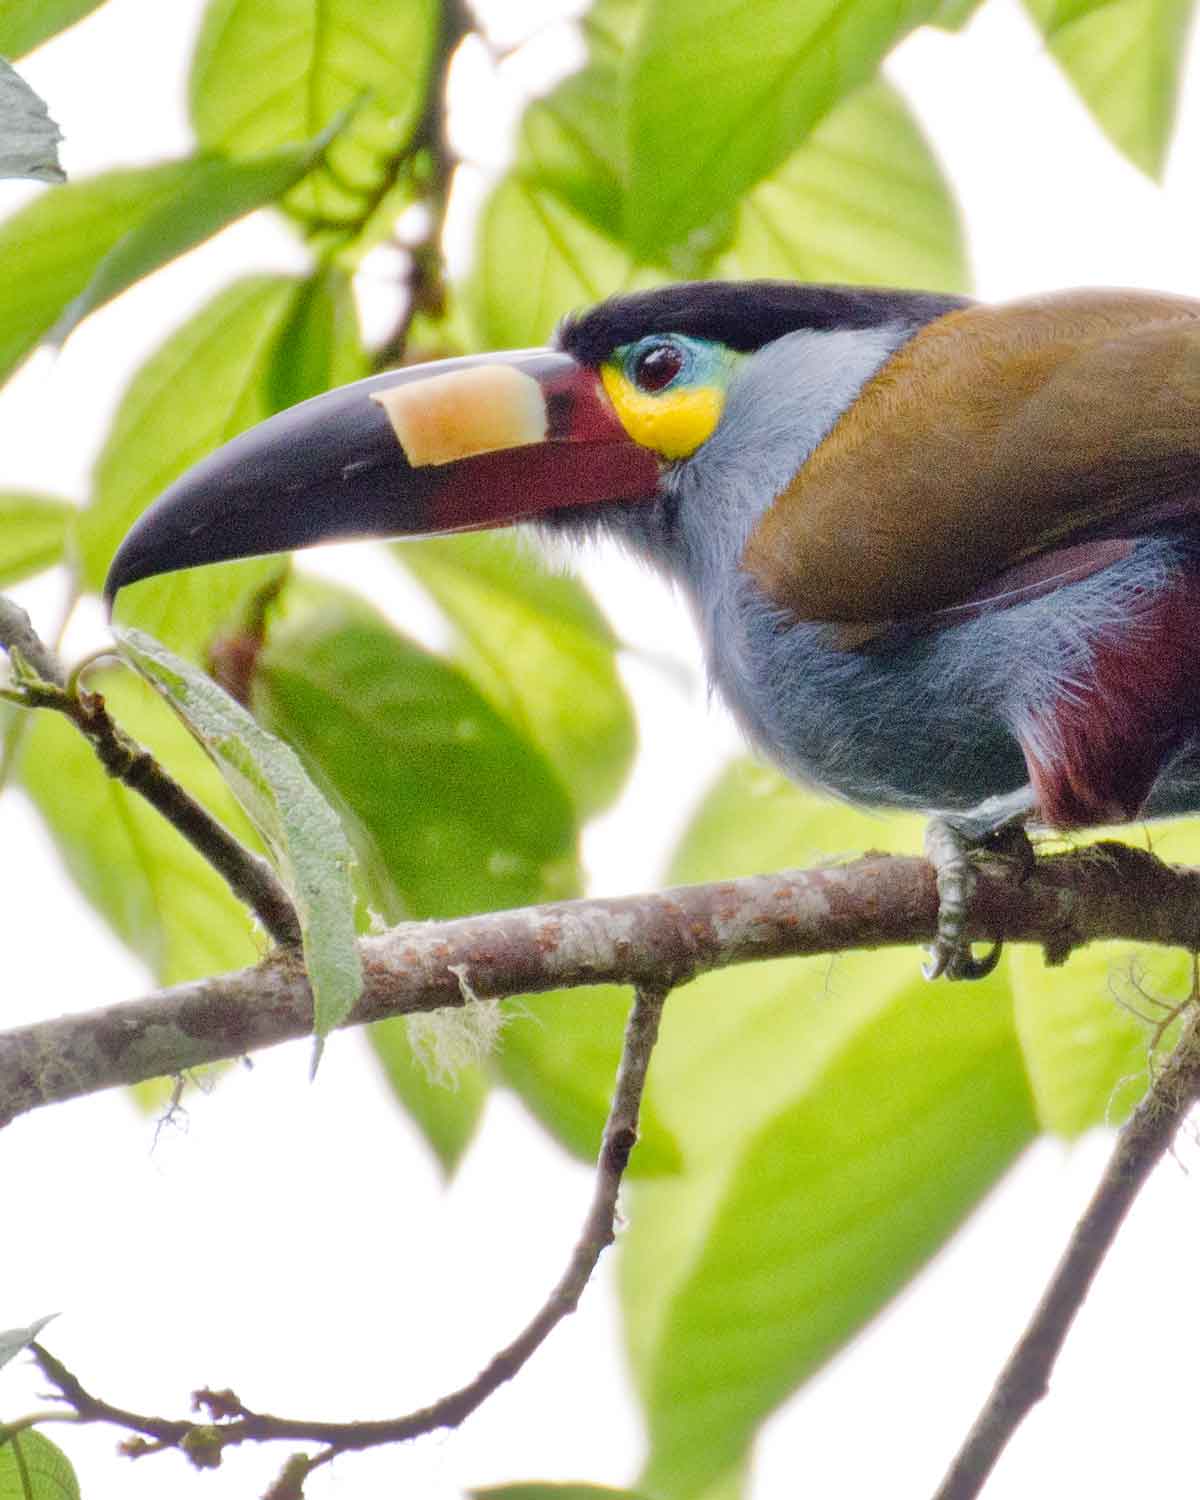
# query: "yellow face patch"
671 422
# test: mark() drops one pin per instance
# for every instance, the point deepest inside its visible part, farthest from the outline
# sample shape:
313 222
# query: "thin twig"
233 1423
42 683
1025 1379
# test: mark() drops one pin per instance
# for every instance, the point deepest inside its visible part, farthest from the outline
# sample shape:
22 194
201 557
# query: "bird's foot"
950 845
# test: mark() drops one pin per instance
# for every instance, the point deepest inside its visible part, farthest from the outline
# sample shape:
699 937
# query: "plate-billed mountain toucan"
942 555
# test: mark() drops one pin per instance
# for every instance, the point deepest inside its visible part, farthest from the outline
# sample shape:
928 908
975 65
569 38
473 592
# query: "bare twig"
232 1422
1025 1379
42 683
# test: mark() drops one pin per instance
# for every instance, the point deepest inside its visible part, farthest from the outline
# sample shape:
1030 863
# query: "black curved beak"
457 445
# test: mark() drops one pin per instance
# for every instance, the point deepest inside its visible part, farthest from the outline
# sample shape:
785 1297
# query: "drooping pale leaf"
447 1105
33 1468
540 651
760 1073
535 260
862 200
28 136
228 367
33 533
157 894
299 828
13 1340
721 93
269 72
462 812
827 1211
559 1051
536 1491
1125 58
215 192
25 24
49 250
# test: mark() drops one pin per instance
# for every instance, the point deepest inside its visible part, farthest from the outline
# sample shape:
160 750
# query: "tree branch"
42 683
1025 1379
661 940
205 1442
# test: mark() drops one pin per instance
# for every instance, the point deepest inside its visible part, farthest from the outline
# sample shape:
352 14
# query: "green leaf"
540 651
827 1211
49 250
535 1491
228 367
1125 58
862 200
28 136
33 1468
559 1051
25 24
298 826
720 93
446 1108
953 15
459 810
33 534
815 1103
565 263
269 72
214 193
160 897
570 142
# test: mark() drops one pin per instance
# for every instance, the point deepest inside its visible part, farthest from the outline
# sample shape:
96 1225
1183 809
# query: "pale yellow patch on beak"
478 410
673 423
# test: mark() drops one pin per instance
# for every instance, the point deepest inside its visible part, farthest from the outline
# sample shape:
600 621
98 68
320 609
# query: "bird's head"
633 393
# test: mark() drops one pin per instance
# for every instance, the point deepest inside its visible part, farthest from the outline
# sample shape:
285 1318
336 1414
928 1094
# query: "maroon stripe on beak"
381 458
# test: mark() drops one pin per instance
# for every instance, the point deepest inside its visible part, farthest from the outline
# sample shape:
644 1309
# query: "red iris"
656 367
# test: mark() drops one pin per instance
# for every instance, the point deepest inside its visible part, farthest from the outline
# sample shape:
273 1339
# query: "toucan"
942 555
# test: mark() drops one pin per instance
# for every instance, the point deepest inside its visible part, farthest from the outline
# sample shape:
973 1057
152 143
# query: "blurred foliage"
813 1130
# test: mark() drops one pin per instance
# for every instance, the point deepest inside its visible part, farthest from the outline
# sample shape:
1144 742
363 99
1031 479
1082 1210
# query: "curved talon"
961 963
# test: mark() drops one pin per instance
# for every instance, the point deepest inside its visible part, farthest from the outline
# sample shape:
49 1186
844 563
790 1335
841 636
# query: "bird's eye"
654 368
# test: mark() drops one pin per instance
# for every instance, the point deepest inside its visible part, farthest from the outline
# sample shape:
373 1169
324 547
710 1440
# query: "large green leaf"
829 1208
33 533
269 72
228 367
565 263
720 93
85 241
215 191
571 143
25 24
862 200
815 1103
158 895
452 809
462 813
33 1468
540 651
560 1051
49 250
1125 57
300 829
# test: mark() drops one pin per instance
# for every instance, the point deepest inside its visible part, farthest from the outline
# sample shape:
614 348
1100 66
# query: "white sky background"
295 1242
